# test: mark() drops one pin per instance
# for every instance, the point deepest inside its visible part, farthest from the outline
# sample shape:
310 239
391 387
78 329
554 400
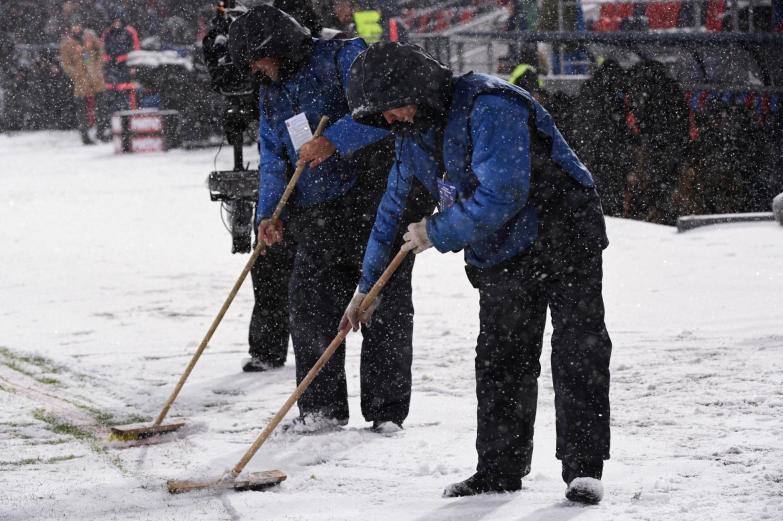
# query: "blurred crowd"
45 21
73 55
658 152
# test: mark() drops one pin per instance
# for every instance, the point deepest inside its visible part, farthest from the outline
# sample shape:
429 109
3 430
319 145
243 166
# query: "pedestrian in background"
82 60
119 39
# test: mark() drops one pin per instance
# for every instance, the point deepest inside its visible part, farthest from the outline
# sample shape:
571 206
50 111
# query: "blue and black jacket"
486 154
316 89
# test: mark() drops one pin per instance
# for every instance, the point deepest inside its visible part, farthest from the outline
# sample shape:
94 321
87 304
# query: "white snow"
153 59
113 268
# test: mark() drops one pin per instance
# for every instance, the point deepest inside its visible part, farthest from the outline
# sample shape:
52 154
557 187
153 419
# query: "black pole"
238 158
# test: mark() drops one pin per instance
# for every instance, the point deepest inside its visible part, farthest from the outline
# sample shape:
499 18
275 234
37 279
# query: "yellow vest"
368 26
522 69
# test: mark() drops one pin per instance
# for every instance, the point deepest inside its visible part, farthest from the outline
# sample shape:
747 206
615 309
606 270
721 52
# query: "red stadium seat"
663 15
715 16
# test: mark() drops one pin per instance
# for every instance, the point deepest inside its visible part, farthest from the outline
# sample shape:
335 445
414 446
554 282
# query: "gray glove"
352 312
416 239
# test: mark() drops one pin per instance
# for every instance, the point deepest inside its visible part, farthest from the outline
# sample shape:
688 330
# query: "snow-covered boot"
481 483
386 427
585 490
584 480
313 423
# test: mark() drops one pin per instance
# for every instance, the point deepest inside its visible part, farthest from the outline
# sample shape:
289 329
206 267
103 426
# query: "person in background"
118 40
8 76
602 114
526 77
343 16
82 60
371 20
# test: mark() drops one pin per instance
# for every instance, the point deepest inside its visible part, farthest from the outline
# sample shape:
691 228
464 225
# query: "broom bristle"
123 437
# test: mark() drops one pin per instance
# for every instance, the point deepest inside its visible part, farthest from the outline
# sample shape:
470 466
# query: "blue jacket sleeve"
346 135
272 180
501 161
387 222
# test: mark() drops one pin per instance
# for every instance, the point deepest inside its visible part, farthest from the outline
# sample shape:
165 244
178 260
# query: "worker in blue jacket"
330 214
514 196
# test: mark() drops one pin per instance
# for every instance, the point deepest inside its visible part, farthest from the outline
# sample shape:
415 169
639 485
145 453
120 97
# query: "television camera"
236 189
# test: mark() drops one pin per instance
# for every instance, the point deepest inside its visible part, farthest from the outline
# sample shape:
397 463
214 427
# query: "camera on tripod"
236 189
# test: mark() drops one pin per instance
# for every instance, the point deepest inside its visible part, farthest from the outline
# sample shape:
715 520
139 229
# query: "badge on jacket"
448 194
299 130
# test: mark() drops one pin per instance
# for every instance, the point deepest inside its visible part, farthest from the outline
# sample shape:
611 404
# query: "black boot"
480 483
584 480
256 365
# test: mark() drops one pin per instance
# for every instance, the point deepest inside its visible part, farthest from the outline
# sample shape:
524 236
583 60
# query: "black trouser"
269 328
332 238
513 301
82 108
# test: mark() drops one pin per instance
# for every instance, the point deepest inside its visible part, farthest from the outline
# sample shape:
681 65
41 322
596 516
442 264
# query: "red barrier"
126 86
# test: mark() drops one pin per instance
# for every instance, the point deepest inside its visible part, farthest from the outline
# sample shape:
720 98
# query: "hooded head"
266 32
77 23
117 13
391 75
303 12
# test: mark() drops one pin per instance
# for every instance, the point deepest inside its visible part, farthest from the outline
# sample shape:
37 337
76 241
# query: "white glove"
352 312
416 239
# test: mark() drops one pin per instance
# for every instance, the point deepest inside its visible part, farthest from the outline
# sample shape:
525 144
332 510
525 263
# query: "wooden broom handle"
256 252
395 263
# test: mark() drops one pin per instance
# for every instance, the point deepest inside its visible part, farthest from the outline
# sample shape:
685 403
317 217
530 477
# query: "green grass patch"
35 461
105 419
7 390
11 364
59 426
58 441
16 424
22 364
48 381
44 364
136 418
56 425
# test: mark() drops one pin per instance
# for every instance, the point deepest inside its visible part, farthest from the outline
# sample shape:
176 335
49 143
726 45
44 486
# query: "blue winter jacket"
317 89
486 154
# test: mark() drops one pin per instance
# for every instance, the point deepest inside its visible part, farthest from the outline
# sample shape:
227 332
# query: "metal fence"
718 61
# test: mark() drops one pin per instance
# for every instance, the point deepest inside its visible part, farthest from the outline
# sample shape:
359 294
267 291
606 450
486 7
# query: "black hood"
303 12
390 75
266 32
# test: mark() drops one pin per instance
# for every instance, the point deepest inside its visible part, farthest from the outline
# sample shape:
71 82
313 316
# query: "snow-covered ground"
113 267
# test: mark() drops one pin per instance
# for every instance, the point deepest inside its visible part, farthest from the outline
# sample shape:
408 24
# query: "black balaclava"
266 32
391 75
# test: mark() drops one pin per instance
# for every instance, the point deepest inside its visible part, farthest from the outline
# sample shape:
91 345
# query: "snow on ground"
113 267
